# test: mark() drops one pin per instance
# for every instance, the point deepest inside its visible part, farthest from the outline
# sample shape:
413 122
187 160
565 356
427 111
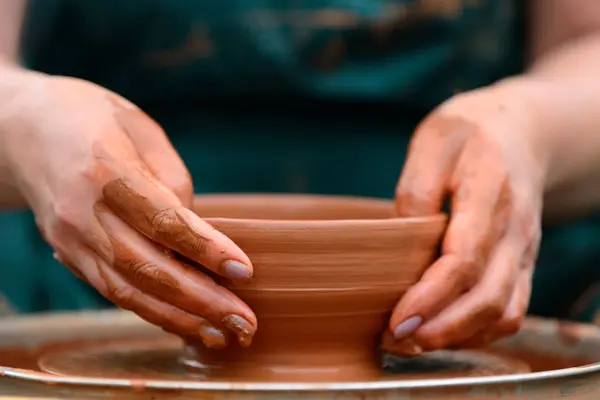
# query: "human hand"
480 150
112 197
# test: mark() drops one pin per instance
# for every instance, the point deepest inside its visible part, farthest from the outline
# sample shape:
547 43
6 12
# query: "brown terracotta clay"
327 273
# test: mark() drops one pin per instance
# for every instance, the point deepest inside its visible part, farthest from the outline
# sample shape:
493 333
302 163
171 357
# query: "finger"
403 348
70 266
432 155
151 269
154 149
511 321
478 221
482 306
90 268
153 211
81 261
159 313
441 284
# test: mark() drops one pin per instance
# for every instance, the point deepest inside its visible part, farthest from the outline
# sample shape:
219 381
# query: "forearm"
563 87
12 13
11 77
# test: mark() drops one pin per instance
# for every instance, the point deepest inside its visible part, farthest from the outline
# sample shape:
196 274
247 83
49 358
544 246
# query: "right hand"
112 197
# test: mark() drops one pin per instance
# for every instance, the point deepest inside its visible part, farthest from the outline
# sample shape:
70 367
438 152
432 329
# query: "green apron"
316 96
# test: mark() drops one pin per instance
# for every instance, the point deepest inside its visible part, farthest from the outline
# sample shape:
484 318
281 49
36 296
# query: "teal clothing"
316 96
155 52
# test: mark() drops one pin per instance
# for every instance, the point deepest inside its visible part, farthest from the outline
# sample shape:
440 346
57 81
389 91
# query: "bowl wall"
322 288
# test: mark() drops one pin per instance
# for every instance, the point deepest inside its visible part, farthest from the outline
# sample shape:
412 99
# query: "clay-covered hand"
478 151
113 198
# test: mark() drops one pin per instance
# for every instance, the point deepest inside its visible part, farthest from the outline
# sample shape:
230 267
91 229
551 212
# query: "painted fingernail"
236 270
242 328
213 338
407 327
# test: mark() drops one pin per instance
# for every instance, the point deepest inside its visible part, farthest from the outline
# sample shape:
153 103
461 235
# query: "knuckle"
165 223
493 308
171 227
91 172
410 202
65 215
509 326
123 296
468 273
151 276
182 186
403 196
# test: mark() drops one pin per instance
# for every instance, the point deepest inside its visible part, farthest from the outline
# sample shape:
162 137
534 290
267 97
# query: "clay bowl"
327 273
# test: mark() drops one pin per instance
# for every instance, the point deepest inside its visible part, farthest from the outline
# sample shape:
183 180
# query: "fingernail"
213 338
242 328
236 270
407 327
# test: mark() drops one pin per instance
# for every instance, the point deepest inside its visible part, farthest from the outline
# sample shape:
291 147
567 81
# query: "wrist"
14 83
566 133
19 87
535 124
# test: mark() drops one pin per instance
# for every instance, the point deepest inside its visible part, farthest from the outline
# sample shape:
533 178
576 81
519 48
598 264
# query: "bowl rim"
333 223
440 217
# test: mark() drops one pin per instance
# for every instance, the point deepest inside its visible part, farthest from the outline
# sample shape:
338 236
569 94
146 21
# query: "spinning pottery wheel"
113 354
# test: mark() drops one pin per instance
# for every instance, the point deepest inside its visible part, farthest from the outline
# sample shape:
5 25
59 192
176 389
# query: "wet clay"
328 272
115 354
159 359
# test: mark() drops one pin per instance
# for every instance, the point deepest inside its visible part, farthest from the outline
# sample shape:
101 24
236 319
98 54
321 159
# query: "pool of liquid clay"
160 358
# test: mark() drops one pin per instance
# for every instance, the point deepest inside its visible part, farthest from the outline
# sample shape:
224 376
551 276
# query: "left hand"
480 150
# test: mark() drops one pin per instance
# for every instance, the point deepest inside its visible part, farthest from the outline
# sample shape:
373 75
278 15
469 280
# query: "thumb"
155 149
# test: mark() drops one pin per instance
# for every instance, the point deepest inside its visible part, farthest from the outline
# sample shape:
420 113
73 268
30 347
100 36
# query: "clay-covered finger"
511 321
92 269
482 306
157 312
158 214
154 271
